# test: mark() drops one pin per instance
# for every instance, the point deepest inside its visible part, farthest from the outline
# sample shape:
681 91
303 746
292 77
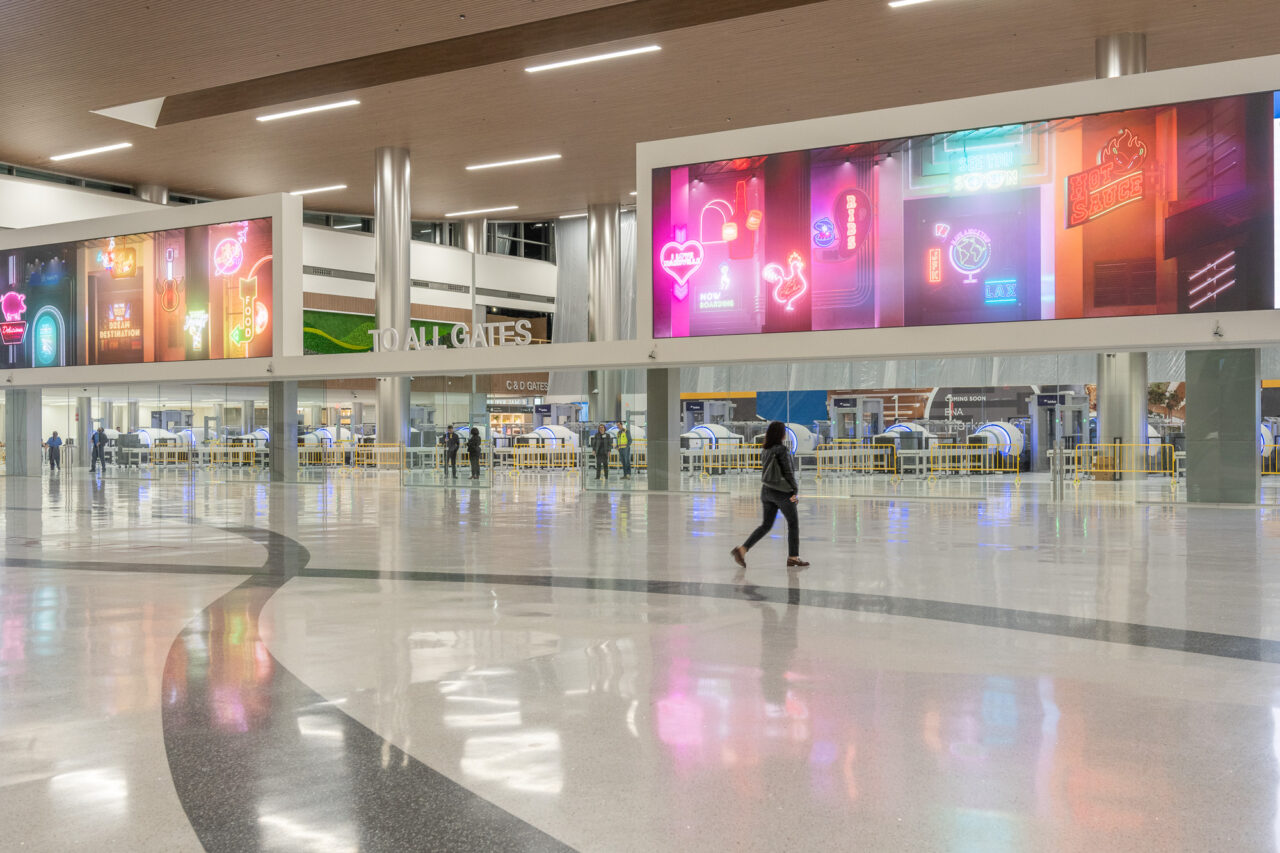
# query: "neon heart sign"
681 261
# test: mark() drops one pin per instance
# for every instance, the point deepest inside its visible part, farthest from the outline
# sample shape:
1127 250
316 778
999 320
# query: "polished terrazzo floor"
351 665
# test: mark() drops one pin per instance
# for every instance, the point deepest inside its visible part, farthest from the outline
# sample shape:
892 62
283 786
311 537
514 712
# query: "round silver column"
391 232
1121 54
604 288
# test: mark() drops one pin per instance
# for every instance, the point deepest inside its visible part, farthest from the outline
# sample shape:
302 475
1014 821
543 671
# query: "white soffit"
145 113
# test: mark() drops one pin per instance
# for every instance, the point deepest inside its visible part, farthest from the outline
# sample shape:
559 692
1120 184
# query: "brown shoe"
796 562
739 556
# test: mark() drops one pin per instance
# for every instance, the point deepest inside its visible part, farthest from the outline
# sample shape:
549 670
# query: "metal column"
663 428
84 428
22 432
1122 377
604 297
282 411
391 231
153 193
474 240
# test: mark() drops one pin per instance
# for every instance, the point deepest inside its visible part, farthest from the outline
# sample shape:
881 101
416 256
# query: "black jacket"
473 445
780 477
601 443
451 442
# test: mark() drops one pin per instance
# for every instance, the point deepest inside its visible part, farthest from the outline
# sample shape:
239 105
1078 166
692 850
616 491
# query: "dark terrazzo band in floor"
261 760
1053 624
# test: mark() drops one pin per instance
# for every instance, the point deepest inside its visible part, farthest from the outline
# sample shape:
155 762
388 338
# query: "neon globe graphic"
970 253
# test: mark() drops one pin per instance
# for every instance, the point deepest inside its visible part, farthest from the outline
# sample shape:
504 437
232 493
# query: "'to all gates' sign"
511 333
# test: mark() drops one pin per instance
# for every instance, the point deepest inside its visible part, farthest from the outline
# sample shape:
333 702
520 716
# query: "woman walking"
778 491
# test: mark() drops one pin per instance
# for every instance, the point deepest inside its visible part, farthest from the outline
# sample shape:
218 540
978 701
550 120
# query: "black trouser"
55 458
773 501
475 465
451 461
602 465
99 458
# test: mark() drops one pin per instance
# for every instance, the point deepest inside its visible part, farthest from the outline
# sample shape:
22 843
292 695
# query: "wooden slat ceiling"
60 60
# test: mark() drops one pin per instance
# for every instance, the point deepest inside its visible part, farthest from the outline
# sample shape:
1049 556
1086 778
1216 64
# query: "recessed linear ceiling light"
519 162
652 48
319 189
633 192
88 151
317 109
352 225
484 210
573 216
898 4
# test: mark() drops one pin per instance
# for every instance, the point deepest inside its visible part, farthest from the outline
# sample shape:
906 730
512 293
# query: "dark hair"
475 430
775 434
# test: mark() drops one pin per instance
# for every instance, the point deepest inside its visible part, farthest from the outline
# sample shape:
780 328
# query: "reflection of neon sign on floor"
1001 291
1213 279
970 253
681 261
787 288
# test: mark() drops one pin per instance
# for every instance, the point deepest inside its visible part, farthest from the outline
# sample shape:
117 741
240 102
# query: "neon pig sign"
14 329
787 288
1117 180
681 261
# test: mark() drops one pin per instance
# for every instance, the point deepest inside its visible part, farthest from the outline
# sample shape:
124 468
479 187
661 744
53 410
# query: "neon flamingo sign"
787 287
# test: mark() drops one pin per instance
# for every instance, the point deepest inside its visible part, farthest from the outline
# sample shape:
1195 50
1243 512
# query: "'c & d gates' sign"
510 333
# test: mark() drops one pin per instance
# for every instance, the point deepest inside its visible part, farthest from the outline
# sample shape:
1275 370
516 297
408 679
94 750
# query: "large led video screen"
1161 210
184 294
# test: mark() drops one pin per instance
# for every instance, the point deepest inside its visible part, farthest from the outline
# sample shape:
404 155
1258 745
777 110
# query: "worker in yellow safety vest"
624 450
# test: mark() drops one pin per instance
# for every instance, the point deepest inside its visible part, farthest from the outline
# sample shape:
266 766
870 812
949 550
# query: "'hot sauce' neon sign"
1117 180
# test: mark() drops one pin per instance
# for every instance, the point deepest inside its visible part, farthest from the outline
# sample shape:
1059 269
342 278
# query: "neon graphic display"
788 285
681 261
135 298
1157 210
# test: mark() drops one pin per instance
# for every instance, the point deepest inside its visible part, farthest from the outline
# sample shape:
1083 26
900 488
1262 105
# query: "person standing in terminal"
99 442
601 444
55 452
778 491
451 444
473 452
624 449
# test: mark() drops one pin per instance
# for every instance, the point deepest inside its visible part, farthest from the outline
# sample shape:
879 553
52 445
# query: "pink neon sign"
787 288
681 261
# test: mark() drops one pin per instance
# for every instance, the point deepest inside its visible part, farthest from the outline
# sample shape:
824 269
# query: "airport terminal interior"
385 394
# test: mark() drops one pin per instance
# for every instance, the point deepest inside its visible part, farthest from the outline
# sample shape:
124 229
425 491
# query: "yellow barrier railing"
847 456
970 459
1270 459
539 457
1106 461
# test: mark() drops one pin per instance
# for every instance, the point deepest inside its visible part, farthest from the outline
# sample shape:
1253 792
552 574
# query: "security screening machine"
855 417
698 412
1061 416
